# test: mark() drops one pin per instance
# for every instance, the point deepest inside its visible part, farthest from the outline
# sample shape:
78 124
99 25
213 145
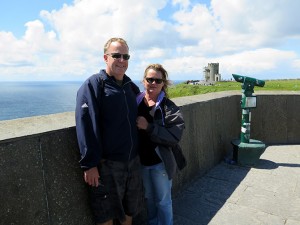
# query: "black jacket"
106 120
166 130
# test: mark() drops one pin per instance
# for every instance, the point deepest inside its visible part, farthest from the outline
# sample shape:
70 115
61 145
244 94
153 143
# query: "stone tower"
211 73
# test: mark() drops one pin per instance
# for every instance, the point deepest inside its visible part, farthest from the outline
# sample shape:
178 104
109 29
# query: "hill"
184 89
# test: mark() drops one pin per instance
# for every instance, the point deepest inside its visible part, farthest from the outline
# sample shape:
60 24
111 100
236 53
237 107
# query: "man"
106 113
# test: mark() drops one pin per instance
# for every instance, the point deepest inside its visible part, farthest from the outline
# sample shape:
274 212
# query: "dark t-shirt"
147 151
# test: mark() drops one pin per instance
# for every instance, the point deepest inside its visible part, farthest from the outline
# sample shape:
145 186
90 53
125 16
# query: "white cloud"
182 3
37 39
245 36
248 63
89 23
195 24
256 62
153 53
13 51
296 64
261 23
231 26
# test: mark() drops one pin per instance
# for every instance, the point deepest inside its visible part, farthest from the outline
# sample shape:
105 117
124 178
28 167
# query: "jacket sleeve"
87 116
170 133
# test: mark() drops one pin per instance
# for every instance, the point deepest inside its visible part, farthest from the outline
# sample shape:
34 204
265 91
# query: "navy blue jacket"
106 120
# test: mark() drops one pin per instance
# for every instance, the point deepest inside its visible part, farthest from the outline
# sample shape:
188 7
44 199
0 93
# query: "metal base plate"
247 153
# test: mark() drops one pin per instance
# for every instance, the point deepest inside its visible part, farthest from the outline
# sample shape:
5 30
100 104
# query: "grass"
184 89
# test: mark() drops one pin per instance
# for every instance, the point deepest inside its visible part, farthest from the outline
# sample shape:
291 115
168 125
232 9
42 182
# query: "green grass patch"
184 89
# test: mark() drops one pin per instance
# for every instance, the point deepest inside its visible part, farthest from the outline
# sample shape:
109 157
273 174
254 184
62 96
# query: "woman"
160 126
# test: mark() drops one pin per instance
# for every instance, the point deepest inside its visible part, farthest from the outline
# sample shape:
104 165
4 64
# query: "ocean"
26 99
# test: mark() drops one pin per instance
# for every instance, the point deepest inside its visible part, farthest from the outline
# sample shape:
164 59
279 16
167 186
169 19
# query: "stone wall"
40 179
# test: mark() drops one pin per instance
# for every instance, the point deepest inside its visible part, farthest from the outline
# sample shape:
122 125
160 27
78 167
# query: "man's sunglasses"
118 56
157 80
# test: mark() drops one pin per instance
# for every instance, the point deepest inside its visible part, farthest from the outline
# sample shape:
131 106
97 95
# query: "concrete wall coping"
181 101
35 125
23 127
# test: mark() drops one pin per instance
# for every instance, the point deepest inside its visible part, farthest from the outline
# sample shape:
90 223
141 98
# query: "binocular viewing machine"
247 151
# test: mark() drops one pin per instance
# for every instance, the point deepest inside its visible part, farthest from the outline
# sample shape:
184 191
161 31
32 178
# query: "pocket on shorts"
99 192
100 200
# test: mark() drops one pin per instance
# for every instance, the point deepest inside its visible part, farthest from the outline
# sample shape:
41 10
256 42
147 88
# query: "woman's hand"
141 123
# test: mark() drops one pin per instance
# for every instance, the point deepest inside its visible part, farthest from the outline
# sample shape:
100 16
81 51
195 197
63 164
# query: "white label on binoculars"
250 102
244 130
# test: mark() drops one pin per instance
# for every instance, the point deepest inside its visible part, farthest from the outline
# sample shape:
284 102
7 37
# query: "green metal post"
245 126
247 91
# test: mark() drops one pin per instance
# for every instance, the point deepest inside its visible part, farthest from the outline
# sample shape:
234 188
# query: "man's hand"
91 176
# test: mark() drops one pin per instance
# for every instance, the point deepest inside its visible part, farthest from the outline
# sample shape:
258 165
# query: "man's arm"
87 129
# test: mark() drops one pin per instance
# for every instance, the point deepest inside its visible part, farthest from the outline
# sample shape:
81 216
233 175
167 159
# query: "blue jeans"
158 195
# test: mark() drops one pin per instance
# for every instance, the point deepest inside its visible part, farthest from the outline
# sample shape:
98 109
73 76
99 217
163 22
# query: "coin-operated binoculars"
245 150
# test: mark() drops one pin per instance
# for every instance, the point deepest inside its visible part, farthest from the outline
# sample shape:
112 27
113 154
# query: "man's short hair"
107 44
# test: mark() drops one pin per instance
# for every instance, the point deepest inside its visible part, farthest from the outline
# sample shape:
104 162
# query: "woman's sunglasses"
119 55
151 80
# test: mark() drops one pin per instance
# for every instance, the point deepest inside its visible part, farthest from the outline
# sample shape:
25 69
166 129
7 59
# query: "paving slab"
265 194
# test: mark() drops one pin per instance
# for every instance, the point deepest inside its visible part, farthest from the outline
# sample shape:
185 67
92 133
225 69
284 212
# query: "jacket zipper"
130 129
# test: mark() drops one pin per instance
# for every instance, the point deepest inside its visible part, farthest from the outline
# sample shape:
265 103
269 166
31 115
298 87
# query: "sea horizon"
21 99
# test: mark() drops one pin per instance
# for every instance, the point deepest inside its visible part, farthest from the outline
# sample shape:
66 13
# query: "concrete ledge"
29 126
40 179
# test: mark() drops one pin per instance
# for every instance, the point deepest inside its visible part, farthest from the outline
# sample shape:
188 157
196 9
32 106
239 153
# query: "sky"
62 40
